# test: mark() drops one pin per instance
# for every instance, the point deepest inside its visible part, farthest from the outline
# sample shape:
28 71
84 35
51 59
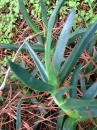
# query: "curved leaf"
29 21
38 63
74 81
49 67
76 34
63 39
29 80
70 124
60 120
76 53
35 47
27 18
91 92
44 12
60 95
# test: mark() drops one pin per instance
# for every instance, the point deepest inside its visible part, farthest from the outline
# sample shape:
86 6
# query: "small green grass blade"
44 12
63 39
29 80
76 53
38 63
74 81
91 92
70 124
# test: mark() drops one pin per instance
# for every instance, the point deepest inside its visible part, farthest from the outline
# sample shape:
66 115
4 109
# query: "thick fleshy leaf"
82 82
88 112
27 18
70 124
53 46
44 12
35 47
60 94
74 81
91 44
63 39
49 67
76 34
60 120
89 67
91 92
71 103
29 80
76 53
38 63
18 120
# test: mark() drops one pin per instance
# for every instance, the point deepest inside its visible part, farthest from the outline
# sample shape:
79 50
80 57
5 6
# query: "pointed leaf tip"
38 63
29 80
63 40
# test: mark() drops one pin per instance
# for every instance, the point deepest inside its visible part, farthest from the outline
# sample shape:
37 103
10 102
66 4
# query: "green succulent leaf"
60 120
38 63
91 44
74 81
59 97
91 92
71 103
49 67
44 12
82 82
70 124
76 34
18 120
63 39
87 113
76 53
35 47
89 68
27 18
29 80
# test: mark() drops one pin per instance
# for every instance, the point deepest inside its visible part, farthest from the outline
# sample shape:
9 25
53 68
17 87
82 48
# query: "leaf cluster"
54 72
